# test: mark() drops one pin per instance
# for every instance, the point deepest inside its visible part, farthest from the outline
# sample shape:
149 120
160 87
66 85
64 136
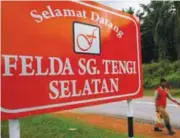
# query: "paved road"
142 109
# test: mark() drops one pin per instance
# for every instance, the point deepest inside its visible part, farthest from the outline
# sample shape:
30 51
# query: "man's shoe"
172 132
157 129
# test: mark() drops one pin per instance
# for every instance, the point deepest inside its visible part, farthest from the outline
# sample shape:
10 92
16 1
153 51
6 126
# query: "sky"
124 4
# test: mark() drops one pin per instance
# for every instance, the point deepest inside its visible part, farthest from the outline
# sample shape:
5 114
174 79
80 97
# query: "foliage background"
160 37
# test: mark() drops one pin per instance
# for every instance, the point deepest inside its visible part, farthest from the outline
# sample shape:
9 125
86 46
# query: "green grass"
174 92
47 126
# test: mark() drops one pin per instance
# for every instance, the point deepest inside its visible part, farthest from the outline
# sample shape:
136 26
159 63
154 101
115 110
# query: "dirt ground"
119 125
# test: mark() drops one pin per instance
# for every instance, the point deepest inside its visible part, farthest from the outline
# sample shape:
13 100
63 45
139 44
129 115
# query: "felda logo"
86 38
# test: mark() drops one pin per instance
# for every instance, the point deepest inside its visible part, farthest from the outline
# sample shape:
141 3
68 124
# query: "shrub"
166 66
154 71
174 80
176 66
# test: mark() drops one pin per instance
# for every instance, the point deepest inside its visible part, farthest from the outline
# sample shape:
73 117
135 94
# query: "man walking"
161 95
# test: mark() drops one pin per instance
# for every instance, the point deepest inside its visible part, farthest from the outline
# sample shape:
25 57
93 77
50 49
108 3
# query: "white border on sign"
90 100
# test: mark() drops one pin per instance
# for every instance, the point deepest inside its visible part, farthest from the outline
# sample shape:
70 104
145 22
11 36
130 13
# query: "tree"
130 10
158 20
177 27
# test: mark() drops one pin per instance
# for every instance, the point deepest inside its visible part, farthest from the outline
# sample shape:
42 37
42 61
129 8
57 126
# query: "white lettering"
65 89
87 88
92 70
114 84
67 67
54 94
106 62
52 66
26 62
39 67
38 18
82 69
94 16
9 65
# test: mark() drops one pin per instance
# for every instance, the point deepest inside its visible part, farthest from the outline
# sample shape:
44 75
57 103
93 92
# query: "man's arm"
172 99
155 97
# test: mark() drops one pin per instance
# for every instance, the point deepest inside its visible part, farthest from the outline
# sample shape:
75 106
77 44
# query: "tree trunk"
177 27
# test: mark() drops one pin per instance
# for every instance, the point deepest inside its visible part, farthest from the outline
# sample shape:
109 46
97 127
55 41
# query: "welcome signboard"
66 54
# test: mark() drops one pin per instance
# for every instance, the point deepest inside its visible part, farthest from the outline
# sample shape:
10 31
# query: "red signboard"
63 54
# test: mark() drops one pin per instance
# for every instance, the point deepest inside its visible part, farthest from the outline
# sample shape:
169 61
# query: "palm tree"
158 21
130 10
177 27
161 33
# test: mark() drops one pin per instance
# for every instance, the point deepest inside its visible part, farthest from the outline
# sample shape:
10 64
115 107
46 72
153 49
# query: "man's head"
163 82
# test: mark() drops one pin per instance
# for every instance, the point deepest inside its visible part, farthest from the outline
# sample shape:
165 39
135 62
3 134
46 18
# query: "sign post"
130 119
14 128
55 57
